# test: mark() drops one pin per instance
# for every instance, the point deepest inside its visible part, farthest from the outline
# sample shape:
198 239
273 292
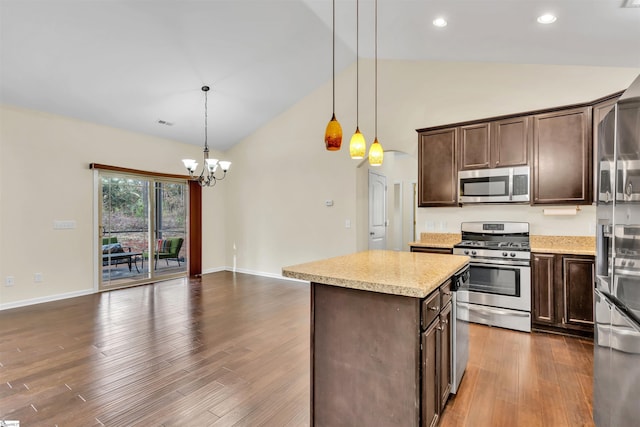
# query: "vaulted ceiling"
132 63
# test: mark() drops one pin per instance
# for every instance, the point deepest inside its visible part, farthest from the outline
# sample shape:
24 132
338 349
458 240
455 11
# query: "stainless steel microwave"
500 185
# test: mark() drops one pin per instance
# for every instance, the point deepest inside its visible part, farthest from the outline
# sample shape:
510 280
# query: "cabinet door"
437 172
430 367
562 157
475 146
445 355
578 288
543 279
510 142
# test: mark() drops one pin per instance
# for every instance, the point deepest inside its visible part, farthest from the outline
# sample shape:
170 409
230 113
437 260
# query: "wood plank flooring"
233 350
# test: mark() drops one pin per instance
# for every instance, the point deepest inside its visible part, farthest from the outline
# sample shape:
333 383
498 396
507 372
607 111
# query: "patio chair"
169 249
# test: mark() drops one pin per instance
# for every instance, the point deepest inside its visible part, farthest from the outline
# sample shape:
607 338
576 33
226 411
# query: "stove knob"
473 253
632 263
623 263
466 252
504 254
513 254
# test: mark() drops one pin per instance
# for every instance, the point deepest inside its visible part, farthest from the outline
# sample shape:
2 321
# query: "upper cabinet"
557 144
562 157
475 147
510 142
437 171
495 144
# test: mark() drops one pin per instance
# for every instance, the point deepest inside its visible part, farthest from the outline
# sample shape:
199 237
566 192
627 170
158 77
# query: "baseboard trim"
254 273
48 298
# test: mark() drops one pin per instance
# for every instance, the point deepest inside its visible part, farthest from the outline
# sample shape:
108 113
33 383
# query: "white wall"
45 176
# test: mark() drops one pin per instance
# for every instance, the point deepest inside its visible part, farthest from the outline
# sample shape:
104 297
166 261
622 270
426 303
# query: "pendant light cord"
333 79
376 69
357 65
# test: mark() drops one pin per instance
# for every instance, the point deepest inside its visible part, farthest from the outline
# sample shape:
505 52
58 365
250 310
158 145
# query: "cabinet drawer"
445 293
430 309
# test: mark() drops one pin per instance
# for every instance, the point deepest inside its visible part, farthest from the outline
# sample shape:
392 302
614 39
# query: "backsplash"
447 220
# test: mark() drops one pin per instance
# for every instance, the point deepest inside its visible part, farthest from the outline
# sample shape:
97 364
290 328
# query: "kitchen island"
379 333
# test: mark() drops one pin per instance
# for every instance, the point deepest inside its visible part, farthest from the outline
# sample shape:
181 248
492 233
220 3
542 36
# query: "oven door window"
498 280
486 186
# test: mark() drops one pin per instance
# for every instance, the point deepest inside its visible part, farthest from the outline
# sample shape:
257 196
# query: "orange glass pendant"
333 135
376 153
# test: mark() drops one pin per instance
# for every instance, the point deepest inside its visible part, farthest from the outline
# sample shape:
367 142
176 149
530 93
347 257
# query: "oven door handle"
491 311
507 263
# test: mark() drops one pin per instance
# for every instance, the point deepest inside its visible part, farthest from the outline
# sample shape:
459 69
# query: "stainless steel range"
500 273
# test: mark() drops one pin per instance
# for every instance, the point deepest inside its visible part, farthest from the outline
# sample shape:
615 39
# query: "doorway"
377 211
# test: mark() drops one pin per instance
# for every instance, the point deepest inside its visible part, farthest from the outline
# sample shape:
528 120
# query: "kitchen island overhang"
409 274
369 361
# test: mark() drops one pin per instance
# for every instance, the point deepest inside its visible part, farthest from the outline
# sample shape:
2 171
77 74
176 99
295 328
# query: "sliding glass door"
142 229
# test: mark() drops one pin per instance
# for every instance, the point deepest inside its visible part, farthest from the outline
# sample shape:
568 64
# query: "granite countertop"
438 240
569 245
391 272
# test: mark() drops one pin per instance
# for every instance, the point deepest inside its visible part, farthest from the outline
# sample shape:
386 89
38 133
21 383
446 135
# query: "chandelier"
207 177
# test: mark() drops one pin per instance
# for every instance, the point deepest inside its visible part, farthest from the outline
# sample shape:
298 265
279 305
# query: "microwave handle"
510 183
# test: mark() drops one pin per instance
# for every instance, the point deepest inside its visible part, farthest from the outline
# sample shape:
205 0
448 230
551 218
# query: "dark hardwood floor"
234 350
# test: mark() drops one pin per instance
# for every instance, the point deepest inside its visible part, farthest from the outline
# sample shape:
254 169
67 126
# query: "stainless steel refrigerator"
616 358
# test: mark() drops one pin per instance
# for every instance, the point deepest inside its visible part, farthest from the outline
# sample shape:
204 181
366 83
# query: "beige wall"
270 211
276 212
45 176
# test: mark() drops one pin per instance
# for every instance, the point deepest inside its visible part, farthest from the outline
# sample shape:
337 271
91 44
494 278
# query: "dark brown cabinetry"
475 146
437 171
495 144
436 354
510 141
379 359
563 293
431 250
562 157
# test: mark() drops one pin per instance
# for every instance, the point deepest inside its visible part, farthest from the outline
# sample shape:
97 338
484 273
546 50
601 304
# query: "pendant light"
358 145
333 134
376 153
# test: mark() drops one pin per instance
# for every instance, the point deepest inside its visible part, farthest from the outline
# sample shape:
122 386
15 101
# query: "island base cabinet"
365 358
430 368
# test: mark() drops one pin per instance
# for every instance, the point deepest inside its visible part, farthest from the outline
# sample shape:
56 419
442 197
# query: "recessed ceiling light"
440 22
164 122
547 18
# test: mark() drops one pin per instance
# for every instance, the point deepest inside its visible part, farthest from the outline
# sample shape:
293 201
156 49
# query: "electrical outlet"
37 277
10 281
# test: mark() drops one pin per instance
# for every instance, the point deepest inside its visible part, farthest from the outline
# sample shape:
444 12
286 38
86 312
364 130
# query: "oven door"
497 283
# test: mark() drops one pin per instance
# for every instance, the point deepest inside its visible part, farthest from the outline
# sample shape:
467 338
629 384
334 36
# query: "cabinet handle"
440 328
447 293
436 308
445 321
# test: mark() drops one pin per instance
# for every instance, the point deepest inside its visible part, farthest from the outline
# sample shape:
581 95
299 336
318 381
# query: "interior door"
377 211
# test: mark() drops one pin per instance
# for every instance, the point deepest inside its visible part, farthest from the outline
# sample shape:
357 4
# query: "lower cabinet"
436 359
431 250
562 287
